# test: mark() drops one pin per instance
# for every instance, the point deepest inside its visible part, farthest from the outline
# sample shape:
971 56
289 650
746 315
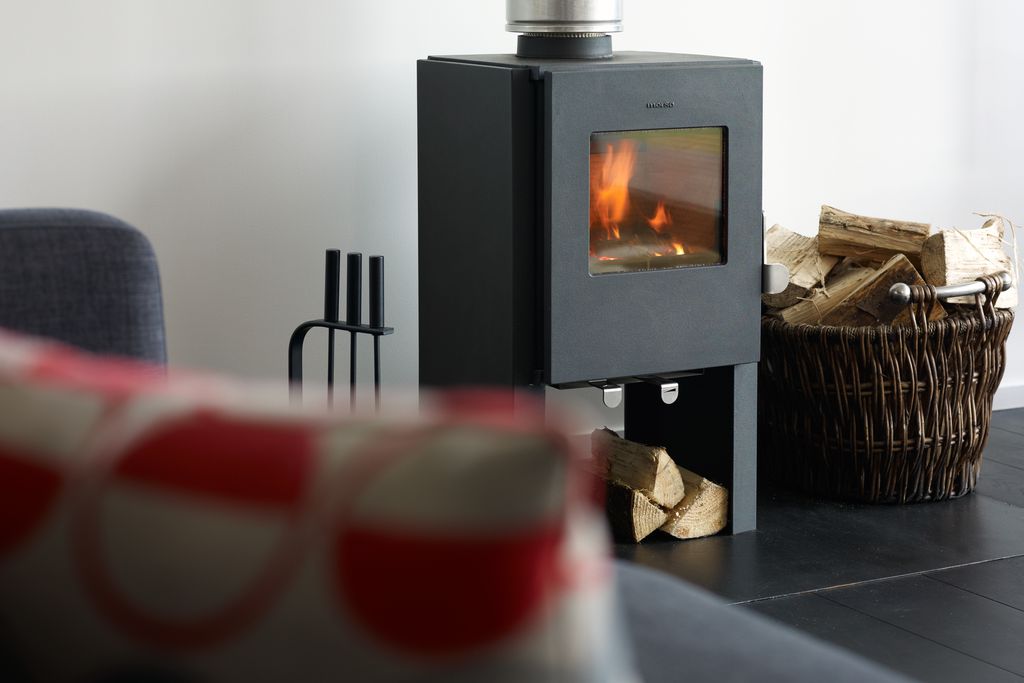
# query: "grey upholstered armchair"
83 278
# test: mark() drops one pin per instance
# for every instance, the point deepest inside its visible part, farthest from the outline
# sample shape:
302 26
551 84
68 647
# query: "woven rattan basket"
886 414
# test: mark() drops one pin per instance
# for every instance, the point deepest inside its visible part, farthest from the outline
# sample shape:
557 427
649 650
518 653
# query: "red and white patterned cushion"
184 528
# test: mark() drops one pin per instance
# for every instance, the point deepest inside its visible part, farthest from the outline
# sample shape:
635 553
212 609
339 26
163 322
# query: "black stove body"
598 223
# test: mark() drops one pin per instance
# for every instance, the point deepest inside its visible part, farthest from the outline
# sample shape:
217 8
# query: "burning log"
703 511
877 239
954 256
869 303
808 268
645 469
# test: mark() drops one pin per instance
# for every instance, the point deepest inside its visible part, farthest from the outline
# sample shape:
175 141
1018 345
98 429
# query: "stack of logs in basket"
647 491
842 276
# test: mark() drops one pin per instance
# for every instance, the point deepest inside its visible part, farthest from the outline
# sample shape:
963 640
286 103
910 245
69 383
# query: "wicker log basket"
884 414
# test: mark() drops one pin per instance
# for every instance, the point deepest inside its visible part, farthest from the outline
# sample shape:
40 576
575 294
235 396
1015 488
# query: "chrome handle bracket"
611 394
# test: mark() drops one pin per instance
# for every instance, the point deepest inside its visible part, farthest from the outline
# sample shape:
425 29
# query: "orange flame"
661 219
617 224
609 186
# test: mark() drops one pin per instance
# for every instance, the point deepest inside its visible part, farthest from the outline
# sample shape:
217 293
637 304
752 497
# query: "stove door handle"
774 276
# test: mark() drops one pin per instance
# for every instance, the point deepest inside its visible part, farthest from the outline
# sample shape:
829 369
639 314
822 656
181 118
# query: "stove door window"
656 199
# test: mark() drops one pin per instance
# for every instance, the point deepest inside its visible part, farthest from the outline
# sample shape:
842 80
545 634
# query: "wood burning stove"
597 222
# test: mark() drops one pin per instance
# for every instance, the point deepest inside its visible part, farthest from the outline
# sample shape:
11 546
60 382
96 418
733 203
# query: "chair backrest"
81 277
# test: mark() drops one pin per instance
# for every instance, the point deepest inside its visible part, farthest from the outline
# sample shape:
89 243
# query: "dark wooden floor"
934 590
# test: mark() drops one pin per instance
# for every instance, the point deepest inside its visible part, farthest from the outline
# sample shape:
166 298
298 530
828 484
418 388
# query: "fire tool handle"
332 303
353 316
332 283
376 291
354 290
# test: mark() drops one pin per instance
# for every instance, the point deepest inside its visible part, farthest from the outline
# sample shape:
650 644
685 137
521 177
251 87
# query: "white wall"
246 136
994 174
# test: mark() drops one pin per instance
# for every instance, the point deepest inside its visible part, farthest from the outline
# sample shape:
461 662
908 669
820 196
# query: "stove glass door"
656 199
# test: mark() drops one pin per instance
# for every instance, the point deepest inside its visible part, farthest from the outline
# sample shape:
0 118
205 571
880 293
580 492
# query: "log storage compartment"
647 490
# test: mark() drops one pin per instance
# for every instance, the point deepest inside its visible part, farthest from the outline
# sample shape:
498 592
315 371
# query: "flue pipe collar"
563 16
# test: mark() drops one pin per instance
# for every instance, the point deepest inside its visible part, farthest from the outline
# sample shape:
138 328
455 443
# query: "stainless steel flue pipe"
566 17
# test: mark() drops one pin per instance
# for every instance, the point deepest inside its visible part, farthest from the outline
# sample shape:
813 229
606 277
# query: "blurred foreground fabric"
188 528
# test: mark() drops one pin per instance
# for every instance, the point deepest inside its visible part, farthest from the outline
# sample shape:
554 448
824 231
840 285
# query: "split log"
848 276
631 515
869 303
877 239
703 511
952 257
799 253
848 264
646 469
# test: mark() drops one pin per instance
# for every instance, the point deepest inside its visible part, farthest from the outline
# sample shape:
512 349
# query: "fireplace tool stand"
352 323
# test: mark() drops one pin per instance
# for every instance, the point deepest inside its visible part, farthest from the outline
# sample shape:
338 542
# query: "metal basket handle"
902 293
923 297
